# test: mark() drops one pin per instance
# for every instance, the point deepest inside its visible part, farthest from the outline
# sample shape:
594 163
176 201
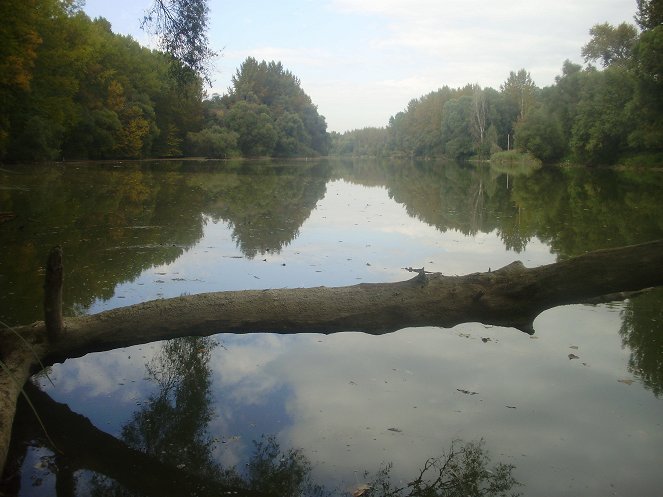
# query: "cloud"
242 367
107 373
474 37
313 57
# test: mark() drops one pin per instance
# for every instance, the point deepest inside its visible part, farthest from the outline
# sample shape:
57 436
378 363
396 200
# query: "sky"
362 61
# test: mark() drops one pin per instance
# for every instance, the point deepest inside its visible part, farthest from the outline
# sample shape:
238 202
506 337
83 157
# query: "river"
575 409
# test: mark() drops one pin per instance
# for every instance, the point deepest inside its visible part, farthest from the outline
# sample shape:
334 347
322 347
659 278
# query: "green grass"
514 157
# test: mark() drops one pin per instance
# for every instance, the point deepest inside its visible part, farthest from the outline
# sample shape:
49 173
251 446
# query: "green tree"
19 40
255 129
479 116
366 142
647 133
39 139
48 107
80 91
270 112
649 14
602 122
138 129
564 97
457 119
291 135
519 88
417 130
541 134
213 141
95 135
610 45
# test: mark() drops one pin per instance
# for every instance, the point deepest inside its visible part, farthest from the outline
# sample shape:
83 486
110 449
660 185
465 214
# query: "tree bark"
511 296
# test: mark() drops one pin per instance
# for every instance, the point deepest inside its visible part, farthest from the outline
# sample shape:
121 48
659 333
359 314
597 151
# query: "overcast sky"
362 61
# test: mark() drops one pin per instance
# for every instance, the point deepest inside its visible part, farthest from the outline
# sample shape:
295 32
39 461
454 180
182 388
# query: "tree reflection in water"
461 472
172 424
166 449
642 333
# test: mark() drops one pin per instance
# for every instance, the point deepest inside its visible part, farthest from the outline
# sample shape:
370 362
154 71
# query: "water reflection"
172 423
264 205
113 223
117 220
642 333
80 459
463 471
335 406
575 210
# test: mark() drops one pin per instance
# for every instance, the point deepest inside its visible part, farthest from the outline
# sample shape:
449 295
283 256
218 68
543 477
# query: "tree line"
70 88
590 115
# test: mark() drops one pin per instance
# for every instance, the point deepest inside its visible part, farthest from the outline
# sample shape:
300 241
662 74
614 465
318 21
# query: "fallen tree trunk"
511 296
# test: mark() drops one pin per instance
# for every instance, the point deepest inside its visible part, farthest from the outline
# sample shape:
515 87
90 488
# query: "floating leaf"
466 392
573 356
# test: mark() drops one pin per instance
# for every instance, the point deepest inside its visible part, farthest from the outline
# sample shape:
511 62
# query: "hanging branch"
181 26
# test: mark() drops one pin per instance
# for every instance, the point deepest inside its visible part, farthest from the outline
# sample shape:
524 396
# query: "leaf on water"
395 430
466 392
626 382
574 347
573 356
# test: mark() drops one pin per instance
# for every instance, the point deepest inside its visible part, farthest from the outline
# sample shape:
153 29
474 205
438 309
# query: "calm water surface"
575 409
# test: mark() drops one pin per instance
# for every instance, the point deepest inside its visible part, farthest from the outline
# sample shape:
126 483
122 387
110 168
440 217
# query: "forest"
590 115
70 88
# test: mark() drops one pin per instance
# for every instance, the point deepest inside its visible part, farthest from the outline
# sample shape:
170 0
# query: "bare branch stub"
53 294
